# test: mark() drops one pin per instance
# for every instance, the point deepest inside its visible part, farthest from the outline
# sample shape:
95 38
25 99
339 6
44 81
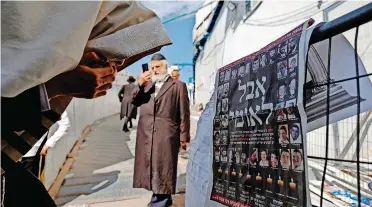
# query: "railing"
344 163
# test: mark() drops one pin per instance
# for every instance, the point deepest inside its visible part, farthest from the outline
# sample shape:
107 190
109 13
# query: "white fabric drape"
43 39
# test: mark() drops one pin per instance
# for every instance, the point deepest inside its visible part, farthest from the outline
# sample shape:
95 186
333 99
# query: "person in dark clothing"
128 110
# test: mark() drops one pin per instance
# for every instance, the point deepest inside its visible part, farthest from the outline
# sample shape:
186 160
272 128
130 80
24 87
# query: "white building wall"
229 42
226 45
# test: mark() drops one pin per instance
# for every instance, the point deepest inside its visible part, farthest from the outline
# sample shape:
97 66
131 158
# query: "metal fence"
340 154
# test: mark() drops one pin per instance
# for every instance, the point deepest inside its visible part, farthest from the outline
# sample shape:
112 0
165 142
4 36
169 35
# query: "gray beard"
157 78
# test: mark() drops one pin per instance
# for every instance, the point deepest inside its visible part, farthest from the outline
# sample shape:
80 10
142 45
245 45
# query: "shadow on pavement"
102 157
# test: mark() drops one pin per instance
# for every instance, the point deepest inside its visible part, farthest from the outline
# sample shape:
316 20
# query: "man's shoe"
125 129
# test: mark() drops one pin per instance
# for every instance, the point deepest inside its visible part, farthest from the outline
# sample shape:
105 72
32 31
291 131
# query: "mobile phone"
145 67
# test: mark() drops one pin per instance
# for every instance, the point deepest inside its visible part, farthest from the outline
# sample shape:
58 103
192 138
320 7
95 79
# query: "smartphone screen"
145 67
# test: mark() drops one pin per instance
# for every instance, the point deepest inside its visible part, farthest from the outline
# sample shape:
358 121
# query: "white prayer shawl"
43 39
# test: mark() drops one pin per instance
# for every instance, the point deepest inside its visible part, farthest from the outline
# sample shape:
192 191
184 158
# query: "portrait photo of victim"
220 91
281 116
264 162
237 157
248 67
224 155
226 89
227 75
272 54
224 138
292 45
217 124
285 160
291 111
233 74
291 103
241 73
283 134
222 76
295 134
217 138
225 105
218 108
281 93
217 154
297 161
263 61
256 64
292 88
253 157
282 69
274 159
292 64
224 121
283 50
231 155
243 159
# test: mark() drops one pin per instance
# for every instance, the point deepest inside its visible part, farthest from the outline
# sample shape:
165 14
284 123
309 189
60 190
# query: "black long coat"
164 121
125 96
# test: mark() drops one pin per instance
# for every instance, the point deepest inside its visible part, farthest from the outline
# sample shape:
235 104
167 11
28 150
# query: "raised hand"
90 79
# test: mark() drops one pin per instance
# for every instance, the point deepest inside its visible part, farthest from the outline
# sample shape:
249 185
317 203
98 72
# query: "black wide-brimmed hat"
131 79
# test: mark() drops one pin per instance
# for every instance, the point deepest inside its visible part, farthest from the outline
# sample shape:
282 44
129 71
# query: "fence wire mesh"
340 154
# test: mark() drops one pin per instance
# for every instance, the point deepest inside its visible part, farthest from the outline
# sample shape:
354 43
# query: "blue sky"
180 32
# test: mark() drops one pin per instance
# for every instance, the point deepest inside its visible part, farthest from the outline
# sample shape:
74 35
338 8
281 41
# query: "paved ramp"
103 169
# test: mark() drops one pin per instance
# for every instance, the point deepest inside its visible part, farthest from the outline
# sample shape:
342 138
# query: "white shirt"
159 84
63 126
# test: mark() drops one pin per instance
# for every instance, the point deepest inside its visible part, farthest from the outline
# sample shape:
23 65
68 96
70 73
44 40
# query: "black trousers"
126 120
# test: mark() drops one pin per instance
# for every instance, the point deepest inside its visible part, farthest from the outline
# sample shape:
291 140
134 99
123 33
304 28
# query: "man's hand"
44 151
183 145
90 79
144 78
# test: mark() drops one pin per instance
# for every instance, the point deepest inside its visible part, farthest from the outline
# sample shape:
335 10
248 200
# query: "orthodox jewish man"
128 110
163 126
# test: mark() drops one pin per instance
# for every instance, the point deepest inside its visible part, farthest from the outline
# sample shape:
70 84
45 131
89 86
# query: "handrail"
342 24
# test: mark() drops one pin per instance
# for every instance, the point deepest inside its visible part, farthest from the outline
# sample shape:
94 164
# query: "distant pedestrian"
175 74
128 110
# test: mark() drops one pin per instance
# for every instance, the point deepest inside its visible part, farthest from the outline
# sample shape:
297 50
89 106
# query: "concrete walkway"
103 170
102 173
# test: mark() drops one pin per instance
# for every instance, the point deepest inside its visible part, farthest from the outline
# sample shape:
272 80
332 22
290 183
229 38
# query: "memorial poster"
258 127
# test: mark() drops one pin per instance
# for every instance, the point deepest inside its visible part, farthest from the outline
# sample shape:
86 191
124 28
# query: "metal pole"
342 24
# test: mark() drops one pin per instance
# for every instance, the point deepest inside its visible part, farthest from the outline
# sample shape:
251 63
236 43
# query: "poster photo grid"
257 136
